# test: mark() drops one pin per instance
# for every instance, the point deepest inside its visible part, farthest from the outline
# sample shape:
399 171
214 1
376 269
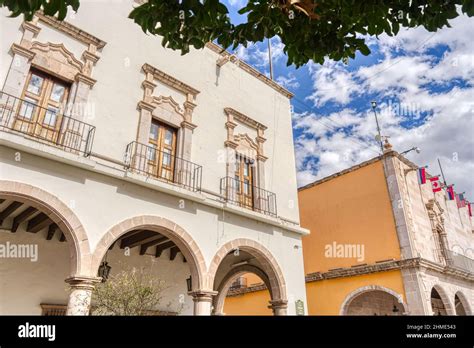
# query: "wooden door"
162 150
40 112
244 181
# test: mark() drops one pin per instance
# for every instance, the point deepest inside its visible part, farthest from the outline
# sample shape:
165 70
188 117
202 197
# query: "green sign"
299 305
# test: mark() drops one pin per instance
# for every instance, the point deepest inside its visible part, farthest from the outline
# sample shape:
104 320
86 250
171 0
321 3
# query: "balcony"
248 196
162 165
45 124
459 261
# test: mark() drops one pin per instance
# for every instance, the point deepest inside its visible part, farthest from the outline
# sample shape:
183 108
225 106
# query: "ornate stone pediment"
246 145
170 102
57 58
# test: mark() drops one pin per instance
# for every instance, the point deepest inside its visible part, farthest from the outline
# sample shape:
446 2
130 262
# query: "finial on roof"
387 147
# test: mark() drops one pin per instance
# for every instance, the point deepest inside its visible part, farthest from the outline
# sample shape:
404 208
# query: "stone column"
79 108
203 301
279 307
80 295
18 73
186 139
146 110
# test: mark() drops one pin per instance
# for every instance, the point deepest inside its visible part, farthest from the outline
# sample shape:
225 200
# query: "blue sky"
422 81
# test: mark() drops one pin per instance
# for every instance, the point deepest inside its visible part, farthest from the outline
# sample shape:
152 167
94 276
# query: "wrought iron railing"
239 283
248 196
46 124
148 160
459 261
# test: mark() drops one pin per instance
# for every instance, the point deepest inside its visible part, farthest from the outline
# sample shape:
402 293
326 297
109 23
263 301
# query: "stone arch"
61 214
464 301
268 266
444 298
349 298
230 277
167 228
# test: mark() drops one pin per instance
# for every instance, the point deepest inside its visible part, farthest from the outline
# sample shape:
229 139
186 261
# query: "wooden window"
44 99
244 174
162 150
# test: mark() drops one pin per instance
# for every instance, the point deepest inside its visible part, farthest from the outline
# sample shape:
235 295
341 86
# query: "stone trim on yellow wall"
361 165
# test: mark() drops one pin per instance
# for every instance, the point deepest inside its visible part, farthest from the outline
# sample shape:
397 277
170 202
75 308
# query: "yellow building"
381 243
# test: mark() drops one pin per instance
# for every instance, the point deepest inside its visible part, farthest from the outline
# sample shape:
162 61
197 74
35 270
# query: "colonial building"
381 243
117 152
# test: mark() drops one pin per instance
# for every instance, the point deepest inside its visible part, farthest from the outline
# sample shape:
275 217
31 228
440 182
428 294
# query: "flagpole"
270 58
442 173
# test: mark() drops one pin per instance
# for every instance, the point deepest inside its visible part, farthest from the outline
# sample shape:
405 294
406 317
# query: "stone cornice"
30 26
387 266
364 164
85 79
188 125
145 105
251 70
71 30
90 56
231 144
22 51
169 80
244 119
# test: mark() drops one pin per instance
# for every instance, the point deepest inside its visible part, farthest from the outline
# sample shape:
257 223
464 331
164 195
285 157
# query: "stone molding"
22 51
418 263
183 240
59 213
244 119
224 286
51 48
71 30
351 296
169 80
172 113
267 261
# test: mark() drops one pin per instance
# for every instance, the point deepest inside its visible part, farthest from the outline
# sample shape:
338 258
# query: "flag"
421 176
458 200
435 184
469 209
450 192
462 200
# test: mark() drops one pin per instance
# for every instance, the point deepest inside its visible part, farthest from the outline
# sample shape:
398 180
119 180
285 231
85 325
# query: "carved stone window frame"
167 110
56 60
243 144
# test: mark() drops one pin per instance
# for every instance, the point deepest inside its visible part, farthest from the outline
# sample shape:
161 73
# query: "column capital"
87 80
80 282
278 304
22 51
203 295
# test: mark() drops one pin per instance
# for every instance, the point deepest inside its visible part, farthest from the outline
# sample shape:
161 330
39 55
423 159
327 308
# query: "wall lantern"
189 284
104 269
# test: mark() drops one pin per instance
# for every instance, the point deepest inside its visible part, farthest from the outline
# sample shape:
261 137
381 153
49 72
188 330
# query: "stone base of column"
80 296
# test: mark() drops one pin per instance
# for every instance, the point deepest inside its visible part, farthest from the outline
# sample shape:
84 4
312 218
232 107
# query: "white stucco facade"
122 79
